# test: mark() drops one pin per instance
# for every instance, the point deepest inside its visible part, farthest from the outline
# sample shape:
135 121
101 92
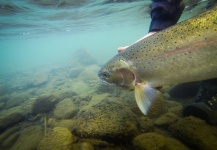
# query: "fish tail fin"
145 96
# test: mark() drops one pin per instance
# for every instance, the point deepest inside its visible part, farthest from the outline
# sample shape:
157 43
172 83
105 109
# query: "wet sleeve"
165 13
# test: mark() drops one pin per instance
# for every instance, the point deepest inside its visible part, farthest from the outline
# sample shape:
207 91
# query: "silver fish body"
185 52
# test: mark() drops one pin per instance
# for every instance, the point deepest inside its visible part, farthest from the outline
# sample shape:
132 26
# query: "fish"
185 52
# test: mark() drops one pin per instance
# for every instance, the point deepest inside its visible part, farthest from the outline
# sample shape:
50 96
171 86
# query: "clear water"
37 35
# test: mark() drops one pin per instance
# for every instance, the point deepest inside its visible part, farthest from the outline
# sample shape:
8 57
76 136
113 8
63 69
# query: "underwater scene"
51 96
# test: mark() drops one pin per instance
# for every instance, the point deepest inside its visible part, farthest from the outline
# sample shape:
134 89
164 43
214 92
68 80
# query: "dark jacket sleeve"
165 13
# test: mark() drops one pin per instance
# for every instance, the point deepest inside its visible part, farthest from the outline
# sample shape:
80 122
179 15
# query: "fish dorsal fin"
145 96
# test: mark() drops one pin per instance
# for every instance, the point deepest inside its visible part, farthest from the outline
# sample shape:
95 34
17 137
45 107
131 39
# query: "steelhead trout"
185 52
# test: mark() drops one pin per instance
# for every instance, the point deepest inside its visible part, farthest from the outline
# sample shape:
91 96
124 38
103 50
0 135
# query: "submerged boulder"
82 57
184 90
90 73
16 99
11 117
150 141
106 117
10 140
29 138
33 78
195 133
65 109
8 137
44 104
166 119
59 139
66 123
82 146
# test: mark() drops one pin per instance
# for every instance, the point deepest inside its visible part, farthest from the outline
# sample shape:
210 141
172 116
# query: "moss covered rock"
82 146
66 123
11 116
17 98
195 132
149 141
8 137
154 141
10 140
90 73
145 124
65 109
29 79
43 104
29 138
106 116
166 119
58 139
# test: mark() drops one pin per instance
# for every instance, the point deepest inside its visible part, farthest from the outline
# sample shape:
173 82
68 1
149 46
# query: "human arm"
164 13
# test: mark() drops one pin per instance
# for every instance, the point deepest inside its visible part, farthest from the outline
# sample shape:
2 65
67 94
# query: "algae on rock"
58 139
106 117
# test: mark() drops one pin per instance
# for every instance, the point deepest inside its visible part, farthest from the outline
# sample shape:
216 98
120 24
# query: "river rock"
154 141
81 87
184 90
106 116
149 140
158 108
32 78
90 73
96 142
4 136
44 104
11 116
82 57
10 140
59 139
195 132
145 124
66 123
65 109
166 119
82 146
66 94
17 98
74 72
29 138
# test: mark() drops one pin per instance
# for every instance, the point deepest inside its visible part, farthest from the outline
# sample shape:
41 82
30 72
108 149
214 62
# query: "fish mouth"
106 83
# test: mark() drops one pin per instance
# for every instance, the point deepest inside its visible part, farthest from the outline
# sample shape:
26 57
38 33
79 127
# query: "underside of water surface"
51 97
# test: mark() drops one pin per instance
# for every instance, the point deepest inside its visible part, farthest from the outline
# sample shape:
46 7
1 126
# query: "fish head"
117 72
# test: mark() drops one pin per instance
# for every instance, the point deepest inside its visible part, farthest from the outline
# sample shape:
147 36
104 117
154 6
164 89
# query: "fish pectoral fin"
145 96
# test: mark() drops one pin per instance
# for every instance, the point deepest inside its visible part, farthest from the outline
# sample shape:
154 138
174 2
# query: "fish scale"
173 37
185 52
178 47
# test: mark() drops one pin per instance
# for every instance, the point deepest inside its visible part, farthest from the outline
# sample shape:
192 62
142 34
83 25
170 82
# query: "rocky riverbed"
65 107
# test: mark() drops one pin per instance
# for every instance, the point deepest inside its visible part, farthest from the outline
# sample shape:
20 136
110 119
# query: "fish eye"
105 75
